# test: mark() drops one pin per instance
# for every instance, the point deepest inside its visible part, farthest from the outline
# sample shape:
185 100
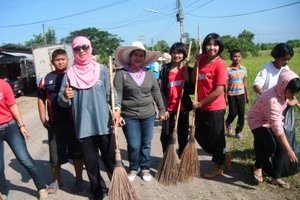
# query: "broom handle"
195 99
118 157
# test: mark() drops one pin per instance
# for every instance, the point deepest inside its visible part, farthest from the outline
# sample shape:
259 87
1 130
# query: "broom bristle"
120 187
168 168
189 166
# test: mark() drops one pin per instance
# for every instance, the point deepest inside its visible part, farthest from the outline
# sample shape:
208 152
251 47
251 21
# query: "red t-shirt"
7 99
211 75
176 80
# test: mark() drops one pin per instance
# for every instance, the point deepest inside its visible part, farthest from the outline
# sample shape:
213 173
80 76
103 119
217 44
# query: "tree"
104 43
161 46
294 43
38 40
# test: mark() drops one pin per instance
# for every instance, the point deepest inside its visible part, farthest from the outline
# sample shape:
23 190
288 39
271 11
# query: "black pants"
182 131
90 147
236 108
209 133
266 144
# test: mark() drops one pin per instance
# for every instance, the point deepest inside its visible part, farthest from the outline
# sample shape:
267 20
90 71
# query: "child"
14 132
265 120
211 103
173 76
63 144
237 93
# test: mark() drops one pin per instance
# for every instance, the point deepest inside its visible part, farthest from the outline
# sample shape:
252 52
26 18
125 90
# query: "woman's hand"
24 132
292 156
167 115
197 104
68 93
117 119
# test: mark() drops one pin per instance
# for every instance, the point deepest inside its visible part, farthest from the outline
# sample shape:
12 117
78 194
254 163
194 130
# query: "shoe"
257 178
43 194
3 197
239 135
215 171
146 176
131 175
53 187
229 129
228 161
78 186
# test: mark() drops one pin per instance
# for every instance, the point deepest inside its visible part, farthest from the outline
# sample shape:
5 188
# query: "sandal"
53 187
258 179
280 183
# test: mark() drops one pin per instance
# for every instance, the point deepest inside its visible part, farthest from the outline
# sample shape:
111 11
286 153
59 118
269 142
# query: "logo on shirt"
50 82
203 76
175 83
1 96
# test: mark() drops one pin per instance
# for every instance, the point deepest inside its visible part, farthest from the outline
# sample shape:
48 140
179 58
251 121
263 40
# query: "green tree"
38 40
104 43
161 46
294 43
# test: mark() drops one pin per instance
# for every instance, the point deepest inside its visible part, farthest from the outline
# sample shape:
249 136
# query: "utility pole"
44 36
180 18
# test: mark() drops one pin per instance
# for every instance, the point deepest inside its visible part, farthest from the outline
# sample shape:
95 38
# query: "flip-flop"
52 188
283 184
256 178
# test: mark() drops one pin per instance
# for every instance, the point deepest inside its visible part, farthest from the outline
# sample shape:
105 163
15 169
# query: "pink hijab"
85 72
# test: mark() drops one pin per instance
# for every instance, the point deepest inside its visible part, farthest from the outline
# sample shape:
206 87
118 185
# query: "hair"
293 85
234 51
180 47
58 52
130 54
215 37
281 50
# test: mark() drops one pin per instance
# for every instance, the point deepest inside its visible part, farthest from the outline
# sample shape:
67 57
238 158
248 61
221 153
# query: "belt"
5 125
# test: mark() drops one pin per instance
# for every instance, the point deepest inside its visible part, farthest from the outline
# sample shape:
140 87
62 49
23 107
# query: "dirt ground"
233 185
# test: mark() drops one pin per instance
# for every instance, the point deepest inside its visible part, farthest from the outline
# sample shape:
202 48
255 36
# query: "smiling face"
137 58
82 51
177 56
212 48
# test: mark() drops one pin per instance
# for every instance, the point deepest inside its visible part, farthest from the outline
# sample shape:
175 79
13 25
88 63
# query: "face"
236 58
288 94
282 61
137 58
177 56
212 48
81 51
60 62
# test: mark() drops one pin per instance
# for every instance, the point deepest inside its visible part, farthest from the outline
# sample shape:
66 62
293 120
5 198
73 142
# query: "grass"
243 149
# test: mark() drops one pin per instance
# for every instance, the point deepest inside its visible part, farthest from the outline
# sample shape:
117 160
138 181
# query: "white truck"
42 58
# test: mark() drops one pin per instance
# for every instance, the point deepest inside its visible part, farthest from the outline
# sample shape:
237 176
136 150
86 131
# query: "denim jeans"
139 134
14 139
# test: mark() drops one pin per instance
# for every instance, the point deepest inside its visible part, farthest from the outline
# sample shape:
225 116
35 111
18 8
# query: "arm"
219 90
65 94
260 81
287 148
155 91
246 89
14 109
42 112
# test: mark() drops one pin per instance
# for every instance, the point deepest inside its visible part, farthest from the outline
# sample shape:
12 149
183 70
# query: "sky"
270 20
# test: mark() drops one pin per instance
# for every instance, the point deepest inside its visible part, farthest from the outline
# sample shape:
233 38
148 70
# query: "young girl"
174 76
211 103
265 120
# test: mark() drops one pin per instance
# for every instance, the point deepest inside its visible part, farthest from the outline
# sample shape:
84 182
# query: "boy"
63 144
237 93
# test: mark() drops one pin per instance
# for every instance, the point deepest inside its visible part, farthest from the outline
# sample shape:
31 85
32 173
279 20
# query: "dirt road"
234 185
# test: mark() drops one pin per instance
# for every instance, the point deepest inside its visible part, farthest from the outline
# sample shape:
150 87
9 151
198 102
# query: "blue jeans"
139 134
14 139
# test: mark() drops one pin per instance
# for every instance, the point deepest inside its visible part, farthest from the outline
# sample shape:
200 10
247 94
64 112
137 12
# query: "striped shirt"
236 77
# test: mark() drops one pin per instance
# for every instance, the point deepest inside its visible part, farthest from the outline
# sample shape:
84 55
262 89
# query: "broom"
168 168
189 166
120 187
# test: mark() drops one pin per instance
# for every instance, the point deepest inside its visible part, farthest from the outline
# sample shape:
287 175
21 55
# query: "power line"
68 16
249 13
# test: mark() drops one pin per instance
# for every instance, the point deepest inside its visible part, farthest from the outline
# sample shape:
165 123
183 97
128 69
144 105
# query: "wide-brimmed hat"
165 57
122 54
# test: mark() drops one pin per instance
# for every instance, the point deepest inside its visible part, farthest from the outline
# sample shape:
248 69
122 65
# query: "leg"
90 157
4 188
17 144
183 131
241 101
232 112
132 131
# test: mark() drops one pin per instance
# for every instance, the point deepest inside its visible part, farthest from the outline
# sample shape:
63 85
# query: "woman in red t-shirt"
210 105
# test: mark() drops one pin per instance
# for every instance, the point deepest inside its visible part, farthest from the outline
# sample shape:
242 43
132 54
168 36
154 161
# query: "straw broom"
189 166
120 187
168 168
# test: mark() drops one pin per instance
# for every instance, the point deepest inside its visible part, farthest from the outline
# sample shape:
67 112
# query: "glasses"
83 47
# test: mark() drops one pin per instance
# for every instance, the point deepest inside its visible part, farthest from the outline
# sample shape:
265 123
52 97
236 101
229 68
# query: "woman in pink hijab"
86 88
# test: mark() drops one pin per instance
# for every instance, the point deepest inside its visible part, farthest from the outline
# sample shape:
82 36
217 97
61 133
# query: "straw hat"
122 54
165 57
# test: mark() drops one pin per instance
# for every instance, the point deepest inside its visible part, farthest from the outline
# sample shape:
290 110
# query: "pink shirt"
267 111
7 99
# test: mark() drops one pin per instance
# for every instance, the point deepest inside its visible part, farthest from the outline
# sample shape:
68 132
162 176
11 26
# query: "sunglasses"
83 47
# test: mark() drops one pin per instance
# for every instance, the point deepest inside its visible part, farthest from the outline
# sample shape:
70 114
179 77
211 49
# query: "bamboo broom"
168 169
120 187
189 166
